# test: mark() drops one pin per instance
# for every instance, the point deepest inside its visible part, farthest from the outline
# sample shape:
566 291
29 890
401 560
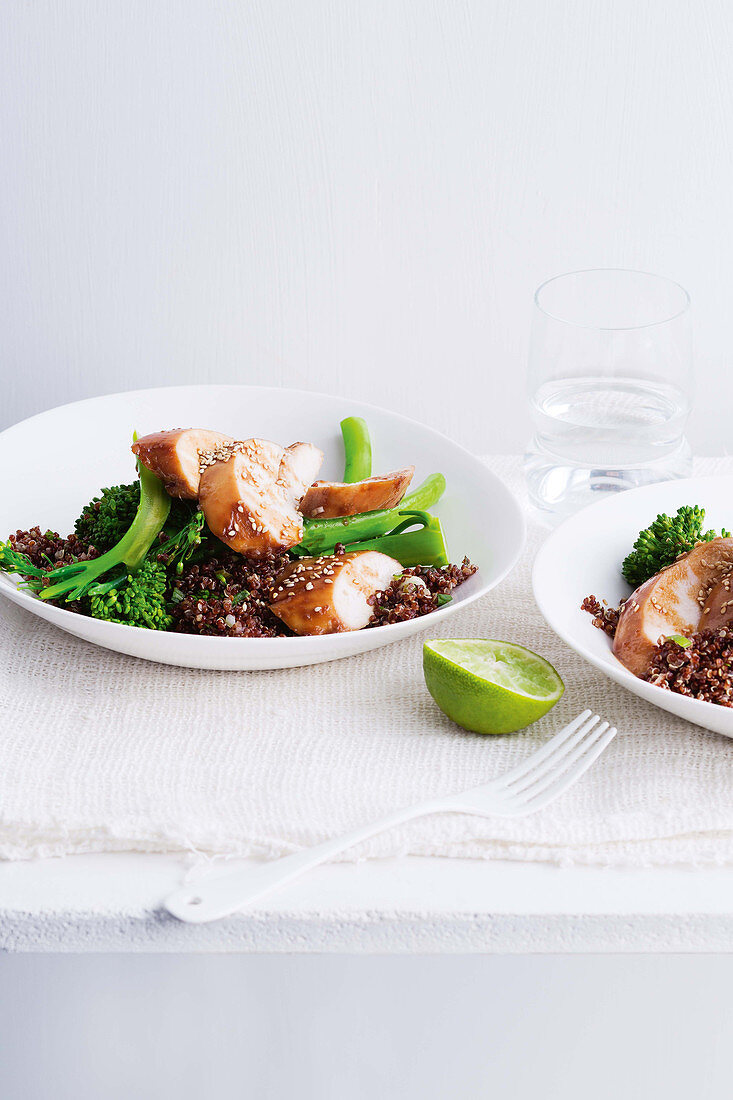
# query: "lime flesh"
488 686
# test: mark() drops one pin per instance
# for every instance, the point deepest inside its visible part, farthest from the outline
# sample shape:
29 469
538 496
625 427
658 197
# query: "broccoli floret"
136 599
105 519
664 540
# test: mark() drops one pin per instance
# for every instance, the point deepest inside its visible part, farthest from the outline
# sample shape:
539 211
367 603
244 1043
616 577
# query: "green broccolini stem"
425 496
321 535
357 449
426 546
70 582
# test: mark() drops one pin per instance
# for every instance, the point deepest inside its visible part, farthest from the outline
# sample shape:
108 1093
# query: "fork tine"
550 774
547 749
574 766
551 761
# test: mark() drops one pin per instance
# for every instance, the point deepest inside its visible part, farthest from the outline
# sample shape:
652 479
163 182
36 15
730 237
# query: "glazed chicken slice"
330 594
331 499
299 468
670 602
245 500
174 457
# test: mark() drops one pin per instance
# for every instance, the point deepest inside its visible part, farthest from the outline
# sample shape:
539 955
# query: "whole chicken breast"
670 602
173 456
330 594
331 499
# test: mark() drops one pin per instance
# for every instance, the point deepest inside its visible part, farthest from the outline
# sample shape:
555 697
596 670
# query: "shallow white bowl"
583 557
63 457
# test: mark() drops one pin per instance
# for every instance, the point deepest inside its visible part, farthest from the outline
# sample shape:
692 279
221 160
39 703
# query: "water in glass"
607 414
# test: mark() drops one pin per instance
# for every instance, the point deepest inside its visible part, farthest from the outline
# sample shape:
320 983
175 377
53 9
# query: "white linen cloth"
102 752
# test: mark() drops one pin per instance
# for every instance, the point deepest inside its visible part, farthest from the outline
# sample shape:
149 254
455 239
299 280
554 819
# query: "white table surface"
410 905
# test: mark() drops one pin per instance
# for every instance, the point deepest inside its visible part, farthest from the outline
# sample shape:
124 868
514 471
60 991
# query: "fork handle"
221 895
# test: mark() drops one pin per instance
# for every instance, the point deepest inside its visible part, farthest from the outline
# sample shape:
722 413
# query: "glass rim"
621 270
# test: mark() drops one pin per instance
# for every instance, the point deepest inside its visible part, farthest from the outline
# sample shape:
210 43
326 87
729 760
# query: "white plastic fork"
527 788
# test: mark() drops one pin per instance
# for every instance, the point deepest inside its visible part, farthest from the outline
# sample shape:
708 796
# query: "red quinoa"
402 601
605 617
702 670
227 596
46 549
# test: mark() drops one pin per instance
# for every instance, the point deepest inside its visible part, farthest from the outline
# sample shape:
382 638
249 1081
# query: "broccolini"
71 582
664 540
105 518
425 546
357 449
137 599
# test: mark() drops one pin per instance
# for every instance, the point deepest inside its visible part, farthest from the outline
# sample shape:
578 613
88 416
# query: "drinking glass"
610 378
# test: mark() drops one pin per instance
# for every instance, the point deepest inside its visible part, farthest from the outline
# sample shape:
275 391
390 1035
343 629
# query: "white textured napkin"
100 752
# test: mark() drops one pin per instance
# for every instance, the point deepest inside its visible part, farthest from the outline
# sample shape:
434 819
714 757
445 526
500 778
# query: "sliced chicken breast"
299 468
330 594
331 499
671 602
174 457
245 502
718 609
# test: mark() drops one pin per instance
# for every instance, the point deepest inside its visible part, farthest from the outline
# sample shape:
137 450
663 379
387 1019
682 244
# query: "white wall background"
351 195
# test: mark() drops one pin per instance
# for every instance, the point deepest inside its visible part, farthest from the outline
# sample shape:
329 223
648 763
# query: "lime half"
488 686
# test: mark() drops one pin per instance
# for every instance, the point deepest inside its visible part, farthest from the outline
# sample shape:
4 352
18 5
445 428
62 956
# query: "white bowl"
583 557
60 459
